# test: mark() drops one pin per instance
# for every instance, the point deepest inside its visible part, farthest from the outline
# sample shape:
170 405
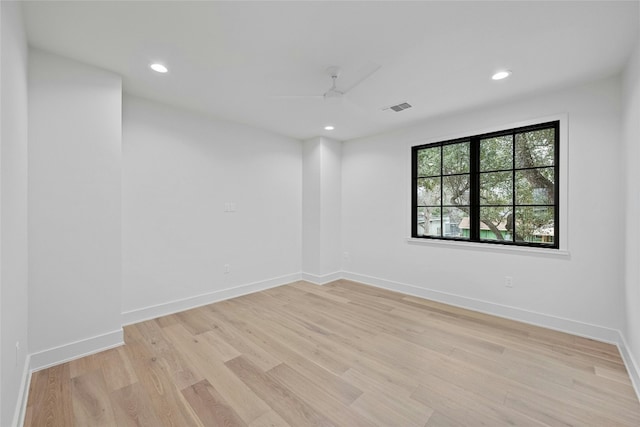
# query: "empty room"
319 213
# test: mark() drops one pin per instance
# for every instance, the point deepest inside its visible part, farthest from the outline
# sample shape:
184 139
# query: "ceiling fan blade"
369 71
333 92
344 103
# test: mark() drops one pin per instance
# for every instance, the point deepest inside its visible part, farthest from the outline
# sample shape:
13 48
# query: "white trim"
505 249
632 367
54 356
23 394
322 280
573 327
75 350
164 309
563 183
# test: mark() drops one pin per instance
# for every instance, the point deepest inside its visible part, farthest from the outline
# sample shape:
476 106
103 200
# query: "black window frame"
474 188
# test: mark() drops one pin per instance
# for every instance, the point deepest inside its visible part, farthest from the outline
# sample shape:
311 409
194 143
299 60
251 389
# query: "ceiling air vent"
399 107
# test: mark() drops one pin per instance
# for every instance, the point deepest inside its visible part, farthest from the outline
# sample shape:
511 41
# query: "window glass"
497 188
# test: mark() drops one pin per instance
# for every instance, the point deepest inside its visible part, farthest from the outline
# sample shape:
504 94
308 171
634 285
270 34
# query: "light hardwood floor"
343 354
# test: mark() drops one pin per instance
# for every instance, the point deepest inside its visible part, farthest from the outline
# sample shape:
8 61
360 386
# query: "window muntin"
441 189
495 188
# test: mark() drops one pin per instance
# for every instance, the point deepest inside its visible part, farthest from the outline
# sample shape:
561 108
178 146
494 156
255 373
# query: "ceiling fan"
334 92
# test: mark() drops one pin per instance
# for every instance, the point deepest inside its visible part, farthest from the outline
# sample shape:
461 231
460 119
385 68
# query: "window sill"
488 247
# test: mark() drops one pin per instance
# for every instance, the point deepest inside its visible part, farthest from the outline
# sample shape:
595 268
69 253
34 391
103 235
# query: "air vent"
399 107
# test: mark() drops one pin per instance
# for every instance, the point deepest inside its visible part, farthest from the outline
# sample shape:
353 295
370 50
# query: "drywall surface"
331 193
584 288
321 211
208 206
75 166
631 128
13 214
311 205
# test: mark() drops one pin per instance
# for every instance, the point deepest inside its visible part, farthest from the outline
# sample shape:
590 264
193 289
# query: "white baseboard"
323 279
61 354
23 394
632 367
54 356
75 350
151 312
573 327
599 333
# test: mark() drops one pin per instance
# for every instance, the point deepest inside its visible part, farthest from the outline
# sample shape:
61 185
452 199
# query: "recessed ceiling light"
329 127
158 68
501 75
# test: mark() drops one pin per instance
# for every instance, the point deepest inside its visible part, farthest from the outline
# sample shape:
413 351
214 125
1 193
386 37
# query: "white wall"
13 213
180 170
631 129
574 292
321 208
331 209
311 206
74 208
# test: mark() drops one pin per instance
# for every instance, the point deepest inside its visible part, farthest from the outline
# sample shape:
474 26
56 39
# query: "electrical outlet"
227 269
345 256
17 352
508 281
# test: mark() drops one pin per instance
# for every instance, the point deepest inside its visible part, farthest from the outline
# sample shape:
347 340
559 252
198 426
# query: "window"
499 188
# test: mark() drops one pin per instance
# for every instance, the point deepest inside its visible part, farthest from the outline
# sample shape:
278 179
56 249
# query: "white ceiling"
231 59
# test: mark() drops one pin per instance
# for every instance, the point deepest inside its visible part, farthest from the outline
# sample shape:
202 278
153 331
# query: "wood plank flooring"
343 354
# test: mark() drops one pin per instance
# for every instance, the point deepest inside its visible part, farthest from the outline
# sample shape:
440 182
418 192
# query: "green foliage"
534 183
429 191
535 149
446 169
456 190
495 218
496 153
535 223
529 193
429 162
455 158
452 161
496 188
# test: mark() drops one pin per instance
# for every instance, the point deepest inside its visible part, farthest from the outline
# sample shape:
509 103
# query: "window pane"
496 153
535 186
512 177
429 161
428 191
496 188
535 148
420 221
429 222
455 190
495 224
535 224
455 158
453 219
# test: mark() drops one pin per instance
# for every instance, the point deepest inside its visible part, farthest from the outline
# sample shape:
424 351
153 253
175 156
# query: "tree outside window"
496 188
